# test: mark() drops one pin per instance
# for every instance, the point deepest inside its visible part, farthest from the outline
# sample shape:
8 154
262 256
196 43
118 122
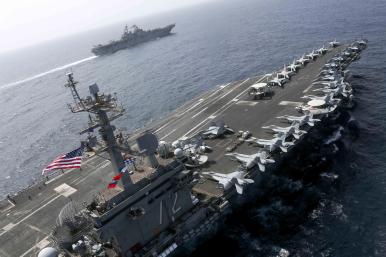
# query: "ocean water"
215 43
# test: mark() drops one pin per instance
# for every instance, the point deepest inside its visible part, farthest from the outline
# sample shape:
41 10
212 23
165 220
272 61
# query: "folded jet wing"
236 178
291 130
302 120
250 160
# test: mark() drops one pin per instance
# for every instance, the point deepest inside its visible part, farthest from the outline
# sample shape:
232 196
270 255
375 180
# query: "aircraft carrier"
186 172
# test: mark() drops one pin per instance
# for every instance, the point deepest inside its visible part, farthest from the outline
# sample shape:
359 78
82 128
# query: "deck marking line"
32 213
167 123
195 115
307 89
97 168
226 107
291 103
199 124
190 108
8 226
41 244
250 103
65 190
168 134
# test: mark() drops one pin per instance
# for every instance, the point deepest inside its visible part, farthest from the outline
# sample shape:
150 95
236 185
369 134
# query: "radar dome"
178 153
48 252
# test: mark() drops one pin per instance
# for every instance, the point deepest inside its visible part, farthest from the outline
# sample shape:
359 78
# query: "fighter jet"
286 73
302 60
347 54
328 98
216 130
249 161
354 49
236 178
313 55
274 143
338 59
362 43
334 43
340 89
302 120
322 50
278 81
327 72
294 67
331 65
291 130
327 78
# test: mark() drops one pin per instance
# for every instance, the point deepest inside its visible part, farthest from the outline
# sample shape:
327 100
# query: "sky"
27 22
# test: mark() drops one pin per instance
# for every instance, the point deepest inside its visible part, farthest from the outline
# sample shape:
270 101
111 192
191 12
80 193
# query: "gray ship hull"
142 37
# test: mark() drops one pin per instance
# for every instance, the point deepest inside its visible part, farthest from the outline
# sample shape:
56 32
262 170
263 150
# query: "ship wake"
66 66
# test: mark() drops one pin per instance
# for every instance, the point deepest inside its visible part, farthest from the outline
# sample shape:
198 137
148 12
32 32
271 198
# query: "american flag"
71 160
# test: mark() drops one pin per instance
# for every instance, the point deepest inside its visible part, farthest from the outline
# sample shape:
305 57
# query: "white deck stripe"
31 214
195 115
227 105
290 103
40 245
168 134
191 107
307 89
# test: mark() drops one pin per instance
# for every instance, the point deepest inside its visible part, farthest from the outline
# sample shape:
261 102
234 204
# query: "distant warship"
131 38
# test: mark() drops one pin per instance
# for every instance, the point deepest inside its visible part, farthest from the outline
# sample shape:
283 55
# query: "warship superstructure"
182 175
132 37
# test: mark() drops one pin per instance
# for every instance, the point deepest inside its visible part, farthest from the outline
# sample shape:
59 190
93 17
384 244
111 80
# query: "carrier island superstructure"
182 175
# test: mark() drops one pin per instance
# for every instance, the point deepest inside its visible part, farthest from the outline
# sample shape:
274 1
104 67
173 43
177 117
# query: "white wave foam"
335 137
329 175
47 72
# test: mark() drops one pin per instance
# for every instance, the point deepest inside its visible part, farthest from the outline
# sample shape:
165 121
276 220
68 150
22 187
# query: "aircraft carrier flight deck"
28 218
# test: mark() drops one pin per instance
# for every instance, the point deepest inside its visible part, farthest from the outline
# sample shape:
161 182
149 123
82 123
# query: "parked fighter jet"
274 143
249 161
216 130
362 43
302 60
338 59
294 67
328 98
276 81
286 73
322 50
334 77
331 65
302 120
354 49
334 43
291 130
327 72
331 84
337 91
236 178
312 56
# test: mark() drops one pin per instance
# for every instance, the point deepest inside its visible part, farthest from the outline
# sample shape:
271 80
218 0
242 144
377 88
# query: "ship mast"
98 106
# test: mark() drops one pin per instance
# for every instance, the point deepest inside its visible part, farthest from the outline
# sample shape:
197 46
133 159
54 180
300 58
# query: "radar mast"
98 106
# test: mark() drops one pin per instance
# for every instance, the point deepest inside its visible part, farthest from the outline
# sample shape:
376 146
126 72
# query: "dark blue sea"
217 43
